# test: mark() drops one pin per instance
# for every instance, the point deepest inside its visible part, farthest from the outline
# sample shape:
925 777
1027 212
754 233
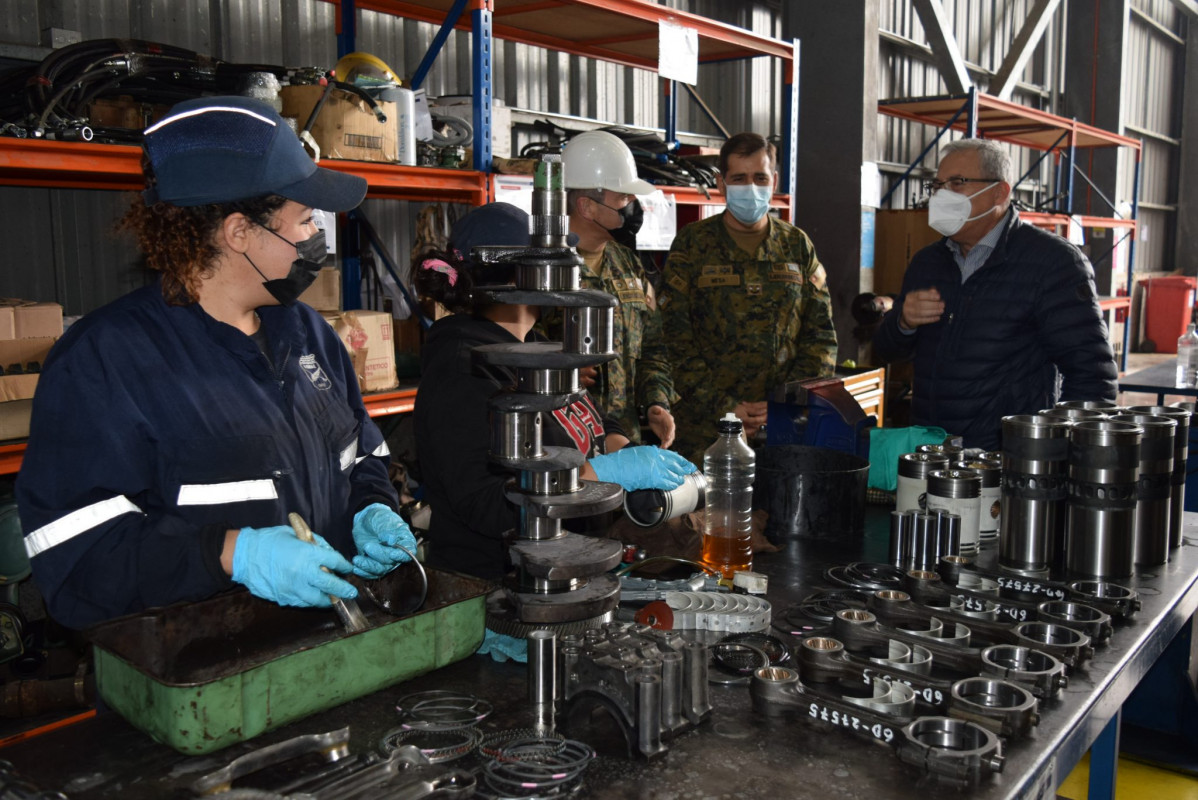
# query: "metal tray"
201 676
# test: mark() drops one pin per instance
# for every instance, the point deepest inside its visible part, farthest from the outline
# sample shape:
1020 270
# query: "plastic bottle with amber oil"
729 466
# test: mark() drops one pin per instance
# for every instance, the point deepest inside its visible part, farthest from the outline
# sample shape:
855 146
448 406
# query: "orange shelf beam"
428 184
400 401
74 165
637 21
1042 219
11 456
82 165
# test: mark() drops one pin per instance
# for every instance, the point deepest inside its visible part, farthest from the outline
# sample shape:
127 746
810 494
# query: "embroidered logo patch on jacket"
311 368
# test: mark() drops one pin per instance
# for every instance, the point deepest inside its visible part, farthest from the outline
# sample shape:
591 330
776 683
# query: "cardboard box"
14 419
370 340
38 320
501 121
898 235
16 391
325 292
345 127
30 320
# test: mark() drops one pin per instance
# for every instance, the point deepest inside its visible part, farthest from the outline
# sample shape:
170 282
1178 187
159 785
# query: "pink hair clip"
437 265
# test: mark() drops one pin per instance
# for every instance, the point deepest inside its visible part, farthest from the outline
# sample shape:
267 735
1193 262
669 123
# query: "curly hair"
443 276
181 242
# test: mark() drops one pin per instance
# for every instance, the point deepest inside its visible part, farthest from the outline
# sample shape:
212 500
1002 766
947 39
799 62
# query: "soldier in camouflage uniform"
745 306
601 177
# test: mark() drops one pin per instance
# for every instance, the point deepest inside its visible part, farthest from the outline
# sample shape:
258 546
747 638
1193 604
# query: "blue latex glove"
377 529
644 467
502 647
275 565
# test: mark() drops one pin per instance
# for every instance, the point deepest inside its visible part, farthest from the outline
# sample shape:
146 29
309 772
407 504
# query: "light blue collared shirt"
973 261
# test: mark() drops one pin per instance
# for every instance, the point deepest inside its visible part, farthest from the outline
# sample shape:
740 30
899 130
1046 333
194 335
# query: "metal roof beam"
1022 48
1189 6
944 46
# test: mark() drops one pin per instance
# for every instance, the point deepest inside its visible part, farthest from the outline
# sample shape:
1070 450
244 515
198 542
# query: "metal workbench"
736 753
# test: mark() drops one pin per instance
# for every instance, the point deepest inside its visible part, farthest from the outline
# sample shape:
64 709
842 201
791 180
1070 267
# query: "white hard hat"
599 160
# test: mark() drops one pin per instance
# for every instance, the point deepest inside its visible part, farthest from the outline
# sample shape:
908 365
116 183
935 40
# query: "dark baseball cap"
495 225
223 149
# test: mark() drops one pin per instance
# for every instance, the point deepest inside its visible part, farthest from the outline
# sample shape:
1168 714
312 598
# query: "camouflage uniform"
737 325
640 376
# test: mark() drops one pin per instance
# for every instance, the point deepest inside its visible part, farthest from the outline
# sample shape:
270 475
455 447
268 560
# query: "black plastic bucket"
811 493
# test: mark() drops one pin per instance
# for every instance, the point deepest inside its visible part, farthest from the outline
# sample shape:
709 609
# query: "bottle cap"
730 423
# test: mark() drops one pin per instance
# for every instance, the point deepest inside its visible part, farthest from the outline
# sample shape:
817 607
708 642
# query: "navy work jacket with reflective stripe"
156 428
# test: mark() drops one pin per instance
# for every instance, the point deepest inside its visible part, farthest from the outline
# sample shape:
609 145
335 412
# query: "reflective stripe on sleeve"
214 494
382 451
77 522
347 456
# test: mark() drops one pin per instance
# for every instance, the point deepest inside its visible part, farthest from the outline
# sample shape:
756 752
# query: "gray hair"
993 158
574 195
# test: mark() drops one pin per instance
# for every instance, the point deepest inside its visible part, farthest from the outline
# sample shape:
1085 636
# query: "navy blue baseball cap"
223 149
496 225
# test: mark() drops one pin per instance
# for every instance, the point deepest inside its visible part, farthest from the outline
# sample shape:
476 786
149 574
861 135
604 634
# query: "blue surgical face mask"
748 203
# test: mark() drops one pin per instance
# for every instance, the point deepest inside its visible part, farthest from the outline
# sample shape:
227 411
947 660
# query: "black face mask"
634 216
303 270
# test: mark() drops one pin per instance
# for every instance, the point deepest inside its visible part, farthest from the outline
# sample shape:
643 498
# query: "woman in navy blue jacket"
174 429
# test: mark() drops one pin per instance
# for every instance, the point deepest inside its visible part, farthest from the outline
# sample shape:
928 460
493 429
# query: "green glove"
887 444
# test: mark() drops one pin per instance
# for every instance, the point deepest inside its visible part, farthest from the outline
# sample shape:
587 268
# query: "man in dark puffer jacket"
1000 317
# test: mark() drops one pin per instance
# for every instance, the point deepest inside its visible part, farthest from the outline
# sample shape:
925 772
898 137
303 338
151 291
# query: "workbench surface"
735 754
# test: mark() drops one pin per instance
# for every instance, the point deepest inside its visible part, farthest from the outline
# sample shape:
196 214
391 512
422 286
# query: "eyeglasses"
955 182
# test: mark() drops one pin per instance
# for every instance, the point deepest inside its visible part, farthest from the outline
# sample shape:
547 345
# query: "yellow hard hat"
364 69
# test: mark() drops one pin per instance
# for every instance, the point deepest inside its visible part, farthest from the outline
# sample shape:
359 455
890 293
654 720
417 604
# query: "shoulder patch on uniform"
677 282
312 369
819 279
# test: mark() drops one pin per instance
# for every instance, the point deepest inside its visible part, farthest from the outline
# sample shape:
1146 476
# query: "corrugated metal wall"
983 29
1152 75
66 250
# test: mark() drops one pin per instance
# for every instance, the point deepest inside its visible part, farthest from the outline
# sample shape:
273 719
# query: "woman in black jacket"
471 518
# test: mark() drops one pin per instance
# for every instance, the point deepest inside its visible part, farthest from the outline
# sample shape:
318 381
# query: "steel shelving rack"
977 114
619 31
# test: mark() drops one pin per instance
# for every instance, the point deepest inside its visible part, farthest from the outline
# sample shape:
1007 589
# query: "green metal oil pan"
201 676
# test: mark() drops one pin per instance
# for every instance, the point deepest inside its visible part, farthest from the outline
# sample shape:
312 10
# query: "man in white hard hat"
745 306
601 180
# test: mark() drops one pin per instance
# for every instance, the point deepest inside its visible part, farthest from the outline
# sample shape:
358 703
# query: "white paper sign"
677 53
514 189
424 120
327 222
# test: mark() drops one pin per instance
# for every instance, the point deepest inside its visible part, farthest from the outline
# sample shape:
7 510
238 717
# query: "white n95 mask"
948 211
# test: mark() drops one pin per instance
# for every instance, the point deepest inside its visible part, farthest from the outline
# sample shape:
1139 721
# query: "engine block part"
652 684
